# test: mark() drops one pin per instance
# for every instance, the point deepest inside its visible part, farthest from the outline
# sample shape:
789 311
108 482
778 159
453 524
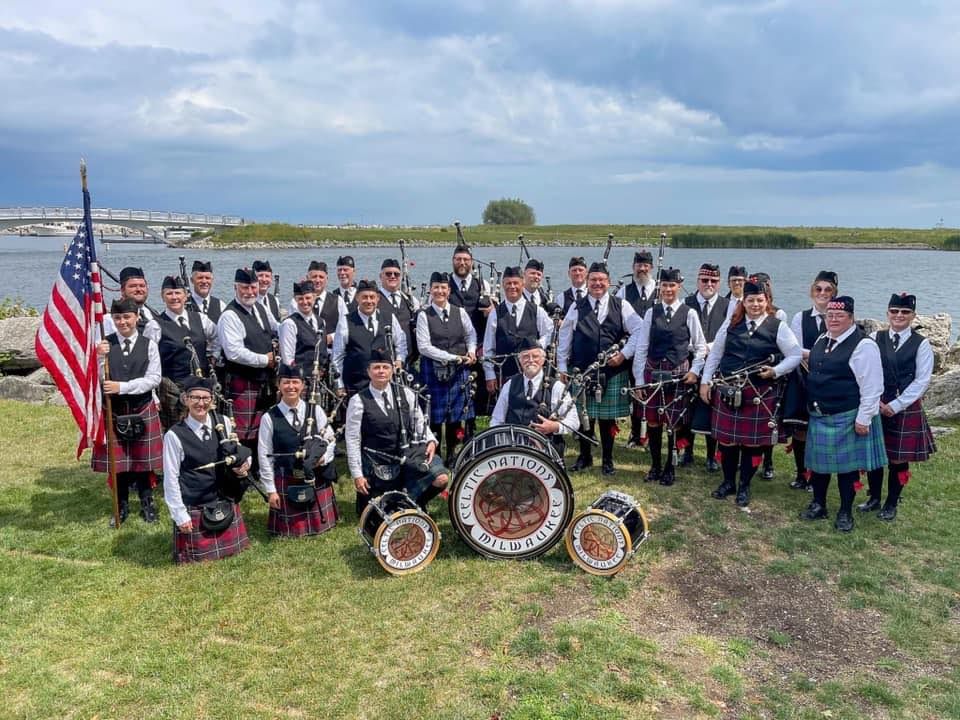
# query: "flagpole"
107 402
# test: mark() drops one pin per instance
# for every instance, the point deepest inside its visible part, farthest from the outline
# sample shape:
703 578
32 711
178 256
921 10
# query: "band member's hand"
705 392
486 310
187 527
545 426
861 429
103 347
397 365
616 359
564 378
886 410
767 373
471 358
361 484
111 387
691 378
492 385
430 452
341 392
271 360
273 500
329 340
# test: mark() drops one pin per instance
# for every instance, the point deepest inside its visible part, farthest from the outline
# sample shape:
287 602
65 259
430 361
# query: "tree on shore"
508 211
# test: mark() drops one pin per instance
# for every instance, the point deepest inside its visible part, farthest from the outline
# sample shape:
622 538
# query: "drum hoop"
392 520
513 430
630 549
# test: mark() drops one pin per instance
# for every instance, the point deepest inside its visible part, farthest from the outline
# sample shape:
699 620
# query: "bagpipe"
487 297
590 379
231 454
735 388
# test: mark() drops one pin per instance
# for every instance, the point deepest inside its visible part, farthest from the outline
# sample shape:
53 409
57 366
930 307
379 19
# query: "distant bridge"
145 221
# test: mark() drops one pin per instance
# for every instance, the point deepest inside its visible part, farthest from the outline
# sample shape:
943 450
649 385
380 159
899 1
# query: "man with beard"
264 283
395 302
133 286
346 288
514 321
640 292
188 341
246 330
577 272
201 299
473 295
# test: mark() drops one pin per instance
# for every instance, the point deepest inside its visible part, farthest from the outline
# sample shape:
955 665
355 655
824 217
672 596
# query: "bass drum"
402 537
510 497
603 538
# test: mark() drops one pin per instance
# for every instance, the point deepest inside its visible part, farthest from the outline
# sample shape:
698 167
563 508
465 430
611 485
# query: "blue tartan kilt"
834 447
448 402
613 404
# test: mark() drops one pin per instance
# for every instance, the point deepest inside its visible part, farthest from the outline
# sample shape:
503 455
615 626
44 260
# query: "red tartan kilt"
296 521
142 455
748 424
907 435
673 414
248 407
200 545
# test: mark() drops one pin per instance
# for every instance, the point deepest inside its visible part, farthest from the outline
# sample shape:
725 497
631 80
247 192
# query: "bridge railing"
44 214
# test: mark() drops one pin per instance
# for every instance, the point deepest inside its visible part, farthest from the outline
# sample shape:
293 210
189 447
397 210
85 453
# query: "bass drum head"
603 538
402 537
511 503
502 436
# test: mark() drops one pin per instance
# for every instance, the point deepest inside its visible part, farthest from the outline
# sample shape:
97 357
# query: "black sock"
875 482
730 461
821 481
656 446
427 495
845 483
799 450
124 480
894 487
634 426
606 439
144 491
748 464
711 448
586 447
768 457
687 435
451 430
671 446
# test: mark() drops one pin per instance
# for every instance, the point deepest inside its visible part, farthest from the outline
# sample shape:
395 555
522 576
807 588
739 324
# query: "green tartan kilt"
834 447
614 404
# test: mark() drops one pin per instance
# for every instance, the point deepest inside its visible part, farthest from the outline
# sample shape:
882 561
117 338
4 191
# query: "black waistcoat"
329 312
197 487
808 329
379 431
900 366
405 316
174 355
450 335
831 383
131 367
469 301
306 344
510 333
214 307
669 340
632 296
742 349
255 339
271 305
352 305
570 297
715 318
285 439
357 351
591 338
523 411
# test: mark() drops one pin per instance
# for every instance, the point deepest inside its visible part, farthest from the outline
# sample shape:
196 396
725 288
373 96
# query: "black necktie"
445 315
753 327
386 402
643 293
513 313
529 389
394 301
820 324
312 323
703 312
295 421
896 340
346 296
669 313
596 309
370 324
204 307
830 344
126 346
463 287
182 321
205 433
579 295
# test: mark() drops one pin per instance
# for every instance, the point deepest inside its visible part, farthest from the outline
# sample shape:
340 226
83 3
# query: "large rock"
942 401
936 328
13 387
16 344
40 377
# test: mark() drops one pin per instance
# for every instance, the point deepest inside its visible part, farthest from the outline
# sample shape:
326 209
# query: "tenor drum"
510 497
402 537
603 538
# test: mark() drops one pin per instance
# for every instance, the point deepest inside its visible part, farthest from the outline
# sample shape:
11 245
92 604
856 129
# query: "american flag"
66 342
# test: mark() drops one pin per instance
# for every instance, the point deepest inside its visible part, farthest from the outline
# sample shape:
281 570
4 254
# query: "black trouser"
655 436
799 451
606 439
141 480
845 483
894 485
739 457
449 431
691 438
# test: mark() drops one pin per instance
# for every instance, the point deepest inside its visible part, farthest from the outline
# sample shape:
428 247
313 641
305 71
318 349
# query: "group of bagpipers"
254 394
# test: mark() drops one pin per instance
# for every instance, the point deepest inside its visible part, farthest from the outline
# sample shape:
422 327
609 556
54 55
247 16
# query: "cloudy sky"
814 112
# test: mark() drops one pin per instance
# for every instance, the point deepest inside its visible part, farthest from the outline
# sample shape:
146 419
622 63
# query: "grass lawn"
722 614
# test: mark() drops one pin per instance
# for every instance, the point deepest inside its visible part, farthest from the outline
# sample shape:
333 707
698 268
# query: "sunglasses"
391 274
899 311
823 289
709 281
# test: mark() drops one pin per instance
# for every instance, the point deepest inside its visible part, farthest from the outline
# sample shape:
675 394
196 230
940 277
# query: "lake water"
30 264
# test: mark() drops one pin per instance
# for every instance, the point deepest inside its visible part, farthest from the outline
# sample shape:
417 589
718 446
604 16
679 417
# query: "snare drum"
402 537
605 536
510 497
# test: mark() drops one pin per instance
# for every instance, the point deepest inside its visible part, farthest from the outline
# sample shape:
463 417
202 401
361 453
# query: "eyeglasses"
837 315
199 398
823 289
899 311
738 280
391 274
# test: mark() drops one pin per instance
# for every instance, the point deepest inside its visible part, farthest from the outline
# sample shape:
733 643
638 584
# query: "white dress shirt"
288 335
559 397
698 343
787 343
796 324
628 316
150 380
402 298
342 335
650 287
232 332
924 371
150 330
425 342
265 439
173 456
417 425
544 332
209 329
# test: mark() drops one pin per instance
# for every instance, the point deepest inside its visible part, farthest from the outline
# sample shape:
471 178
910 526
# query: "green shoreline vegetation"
280 234
722 614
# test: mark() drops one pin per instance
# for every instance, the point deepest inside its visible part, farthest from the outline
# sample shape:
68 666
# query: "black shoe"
147 510
767 472
800 483
844 522
634 442
686 459
712 466
582 463
814 511
653 475
888 513
124 511
723 490
667 477
869 506
743 496
608 468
